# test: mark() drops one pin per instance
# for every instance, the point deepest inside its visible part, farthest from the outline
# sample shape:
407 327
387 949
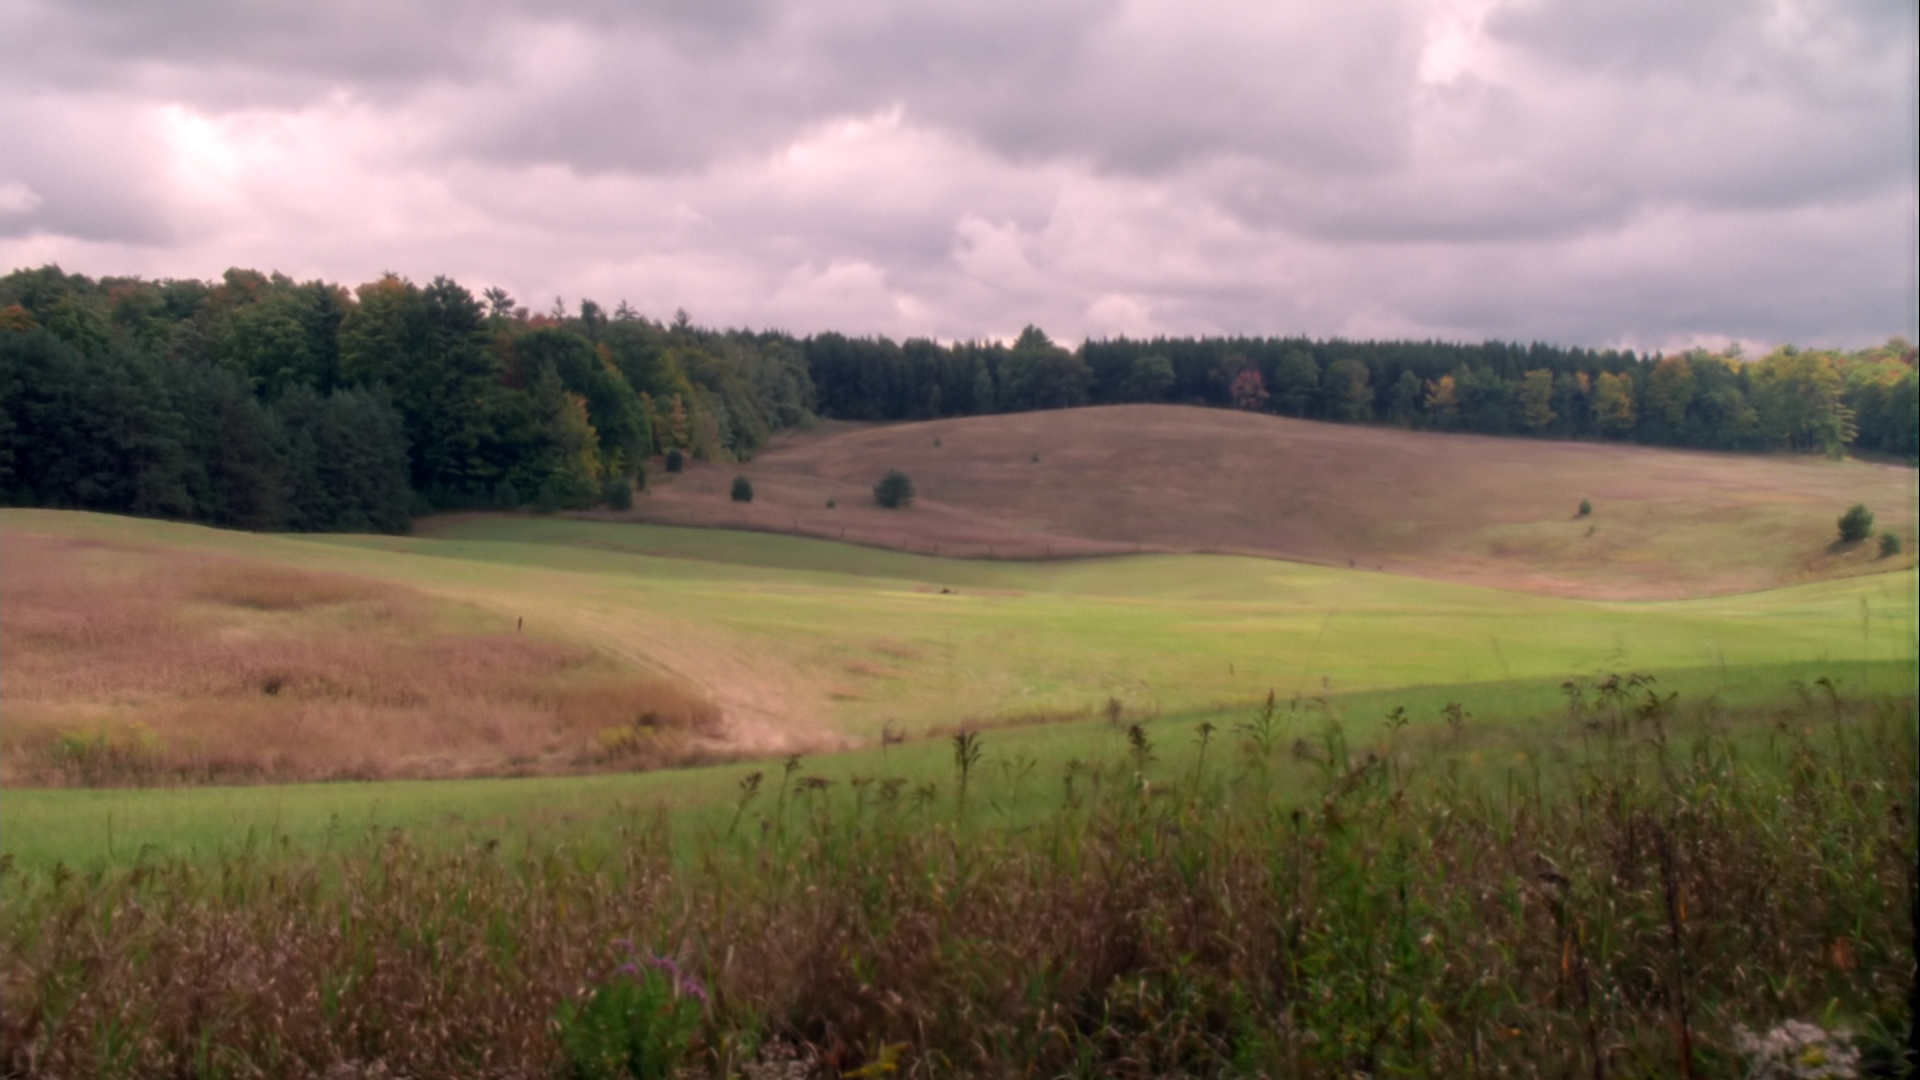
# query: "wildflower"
683 983
1799 1051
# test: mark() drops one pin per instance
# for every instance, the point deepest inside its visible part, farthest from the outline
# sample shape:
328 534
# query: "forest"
261 402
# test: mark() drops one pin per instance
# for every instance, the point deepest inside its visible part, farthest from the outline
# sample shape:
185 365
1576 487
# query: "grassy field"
1507 727
1473 509
1146 815
809 645
133 662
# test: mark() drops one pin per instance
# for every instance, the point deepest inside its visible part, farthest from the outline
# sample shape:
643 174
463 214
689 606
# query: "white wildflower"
1799 1051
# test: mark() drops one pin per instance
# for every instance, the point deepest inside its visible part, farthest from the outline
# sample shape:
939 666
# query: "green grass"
849 638
828 639
1018 779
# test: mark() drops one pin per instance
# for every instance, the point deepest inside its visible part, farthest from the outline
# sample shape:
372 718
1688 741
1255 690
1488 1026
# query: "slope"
1462 508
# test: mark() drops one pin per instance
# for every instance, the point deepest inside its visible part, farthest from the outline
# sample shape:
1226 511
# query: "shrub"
505 495
742 489
894 490
1889 544
617 493
634 1026
1586 507
830 504
675 459
1856 523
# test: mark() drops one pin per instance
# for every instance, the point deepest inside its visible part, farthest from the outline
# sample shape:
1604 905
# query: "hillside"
1464 508
524 644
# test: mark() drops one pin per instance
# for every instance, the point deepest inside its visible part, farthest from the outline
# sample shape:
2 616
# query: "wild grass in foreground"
1666 907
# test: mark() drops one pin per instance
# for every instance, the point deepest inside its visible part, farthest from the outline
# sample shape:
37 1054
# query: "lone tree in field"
742 489
894 490
1856 523
675 459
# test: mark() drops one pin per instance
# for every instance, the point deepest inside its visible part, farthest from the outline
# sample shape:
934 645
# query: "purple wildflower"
683 983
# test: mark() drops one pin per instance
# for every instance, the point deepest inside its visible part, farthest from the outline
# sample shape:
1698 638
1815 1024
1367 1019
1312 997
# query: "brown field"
1465 508
133 664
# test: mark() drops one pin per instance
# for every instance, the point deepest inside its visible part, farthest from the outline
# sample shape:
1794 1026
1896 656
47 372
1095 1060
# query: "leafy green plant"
634 1025
1856 524
894 490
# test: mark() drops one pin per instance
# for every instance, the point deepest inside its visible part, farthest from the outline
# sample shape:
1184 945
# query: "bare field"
1666 524
145 664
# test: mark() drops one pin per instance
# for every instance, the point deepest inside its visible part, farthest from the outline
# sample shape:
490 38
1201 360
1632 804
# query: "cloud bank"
1601 172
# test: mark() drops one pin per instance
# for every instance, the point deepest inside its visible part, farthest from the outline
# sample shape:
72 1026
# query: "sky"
1627 173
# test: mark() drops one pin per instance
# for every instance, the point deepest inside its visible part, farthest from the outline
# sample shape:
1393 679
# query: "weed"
633 1025
966 754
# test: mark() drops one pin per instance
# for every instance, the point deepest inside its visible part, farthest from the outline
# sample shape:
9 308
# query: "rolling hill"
1471 509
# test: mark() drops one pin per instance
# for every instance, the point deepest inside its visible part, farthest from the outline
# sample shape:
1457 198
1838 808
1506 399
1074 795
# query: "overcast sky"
1646 173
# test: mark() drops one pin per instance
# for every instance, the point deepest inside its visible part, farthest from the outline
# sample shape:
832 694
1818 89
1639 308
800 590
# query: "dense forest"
264 403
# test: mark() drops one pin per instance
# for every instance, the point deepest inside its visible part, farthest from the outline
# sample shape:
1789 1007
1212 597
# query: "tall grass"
1630 911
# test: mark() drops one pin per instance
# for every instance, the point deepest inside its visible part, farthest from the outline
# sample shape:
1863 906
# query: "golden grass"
1486 511
128 664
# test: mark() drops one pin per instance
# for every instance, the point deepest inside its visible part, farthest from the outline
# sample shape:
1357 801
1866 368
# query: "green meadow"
818 647
827 639
1508 726
1146 815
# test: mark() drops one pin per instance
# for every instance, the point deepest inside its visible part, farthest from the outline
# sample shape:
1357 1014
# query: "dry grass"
129 664
1466 508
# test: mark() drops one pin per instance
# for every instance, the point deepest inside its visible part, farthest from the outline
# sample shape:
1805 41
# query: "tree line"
1792 399
260 402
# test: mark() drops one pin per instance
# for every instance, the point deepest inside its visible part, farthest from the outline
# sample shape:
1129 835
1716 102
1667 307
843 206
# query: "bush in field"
742 490
1586 507
1856 524
675 459
894 490
1889 544
636 1025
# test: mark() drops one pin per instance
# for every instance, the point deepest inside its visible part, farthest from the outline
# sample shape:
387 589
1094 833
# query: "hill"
1465 508
530 644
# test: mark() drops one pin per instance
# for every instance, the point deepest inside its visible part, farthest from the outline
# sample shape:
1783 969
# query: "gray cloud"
1574 169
